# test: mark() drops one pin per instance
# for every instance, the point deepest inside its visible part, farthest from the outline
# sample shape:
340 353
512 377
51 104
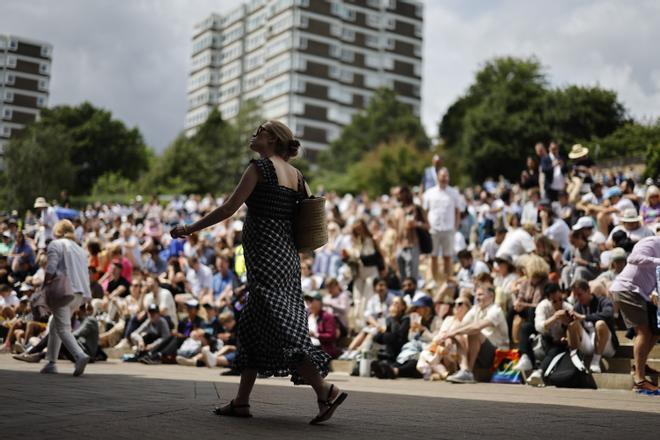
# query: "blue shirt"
220 282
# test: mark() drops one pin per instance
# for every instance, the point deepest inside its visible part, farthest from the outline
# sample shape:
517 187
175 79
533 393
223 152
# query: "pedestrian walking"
273 334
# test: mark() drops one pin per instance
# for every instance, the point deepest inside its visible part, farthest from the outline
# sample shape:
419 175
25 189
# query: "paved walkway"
117 401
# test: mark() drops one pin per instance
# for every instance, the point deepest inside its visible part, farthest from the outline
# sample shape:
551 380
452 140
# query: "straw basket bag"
310 225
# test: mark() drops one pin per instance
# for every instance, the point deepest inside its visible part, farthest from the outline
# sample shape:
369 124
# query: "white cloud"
132 57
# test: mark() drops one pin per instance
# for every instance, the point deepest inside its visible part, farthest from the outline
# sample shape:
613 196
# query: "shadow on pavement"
102 406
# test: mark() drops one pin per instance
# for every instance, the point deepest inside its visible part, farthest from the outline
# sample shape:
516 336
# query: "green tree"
492 128
98 144
390 164
212 160
36 164
632 140
383 120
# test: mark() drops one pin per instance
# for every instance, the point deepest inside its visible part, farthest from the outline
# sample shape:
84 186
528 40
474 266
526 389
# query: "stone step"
626 351
338 366
622 365
613 381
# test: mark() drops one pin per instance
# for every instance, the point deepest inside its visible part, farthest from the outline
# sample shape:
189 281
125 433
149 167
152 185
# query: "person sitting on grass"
486 330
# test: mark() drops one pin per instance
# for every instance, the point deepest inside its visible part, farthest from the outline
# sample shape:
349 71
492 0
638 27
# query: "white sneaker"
352 355
595 368
462 376
123 345
49 368
524 364
80 365
535 379
185 361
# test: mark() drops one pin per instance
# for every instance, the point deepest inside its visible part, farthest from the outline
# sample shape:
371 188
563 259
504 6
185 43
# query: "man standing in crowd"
48 218
442 202
430 177
632 290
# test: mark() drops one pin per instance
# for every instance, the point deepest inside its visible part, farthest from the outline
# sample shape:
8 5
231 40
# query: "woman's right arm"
238 197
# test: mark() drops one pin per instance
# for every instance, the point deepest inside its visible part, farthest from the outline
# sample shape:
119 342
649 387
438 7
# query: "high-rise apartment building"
309 63
24 81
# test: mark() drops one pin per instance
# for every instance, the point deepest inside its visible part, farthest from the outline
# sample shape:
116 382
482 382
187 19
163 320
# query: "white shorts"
588 344
443 243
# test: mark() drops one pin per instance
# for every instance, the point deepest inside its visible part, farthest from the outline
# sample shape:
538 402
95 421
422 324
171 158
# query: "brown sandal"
331 406
231 411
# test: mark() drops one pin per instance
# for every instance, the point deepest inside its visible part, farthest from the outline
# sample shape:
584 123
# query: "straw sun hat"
578 151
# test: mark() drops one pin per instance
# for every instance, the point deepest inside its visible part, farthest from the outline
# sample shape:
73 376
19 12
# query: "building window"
13 44
43 68
43 84
390 43
6 130
418 30
45 51
335 30
41 101
347 55
7 113
9 96
303 3
373 3
390 23
334 72
373 20
11 61
418 50
419 10
335 51
372 40
415 88
10 79
303 22
348 34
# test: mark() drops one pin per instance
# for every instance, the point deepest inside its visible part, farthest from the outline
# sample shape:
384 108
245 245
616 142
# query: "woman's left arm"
242 191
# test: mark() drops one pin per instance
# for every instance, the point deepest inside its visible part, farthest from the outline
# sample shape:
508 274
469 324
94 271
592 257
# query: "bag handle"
301 183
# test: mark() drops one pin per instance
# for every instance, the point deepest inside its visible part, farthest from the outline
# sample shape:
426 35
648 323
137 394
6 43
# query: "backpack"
567 370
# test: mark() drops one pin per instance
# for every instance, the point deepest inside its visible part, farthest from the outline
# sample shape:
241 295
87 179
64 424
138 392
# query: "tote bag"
310 225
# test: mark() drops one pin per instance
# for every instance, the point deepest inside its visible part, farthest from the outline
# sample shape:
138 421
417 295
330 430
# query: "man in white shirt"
486 330
442 202
491 245
631 224
48 218
200 278
470 269
554 228
518 242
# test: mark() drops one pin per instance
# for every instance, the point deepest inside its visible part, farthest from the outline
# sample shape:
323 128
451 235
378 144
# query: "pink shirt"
639 274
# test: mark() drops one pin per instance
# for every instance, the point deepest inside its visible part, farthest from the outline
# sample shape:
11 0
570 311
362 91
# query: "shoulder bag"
59 292
310 225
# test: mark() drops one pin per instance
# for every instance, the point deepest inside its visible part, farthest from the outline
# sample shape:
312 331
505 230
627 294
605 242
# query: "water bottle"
365 364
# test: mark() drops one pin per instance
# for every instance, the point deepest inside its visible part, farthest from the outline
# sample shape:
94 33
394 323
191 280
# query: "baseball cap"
314 295
614 191
192 303
153 308
583 223
618 254
424 301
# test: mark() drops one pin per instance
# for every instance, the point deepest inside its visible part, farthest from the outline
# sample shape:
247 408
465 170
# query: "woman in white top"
66 257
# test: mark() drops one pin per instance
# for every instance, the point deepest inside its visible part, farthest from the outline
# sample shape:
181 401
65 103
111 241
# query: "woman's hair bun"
293 147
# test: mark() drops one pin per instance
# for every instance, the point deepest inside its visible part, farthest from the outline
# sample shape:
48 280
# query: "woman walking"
66 257
273 335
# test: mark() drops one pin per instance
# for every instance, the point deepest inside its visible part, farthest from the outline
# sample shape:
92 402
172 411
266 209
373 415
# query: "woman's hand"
180 231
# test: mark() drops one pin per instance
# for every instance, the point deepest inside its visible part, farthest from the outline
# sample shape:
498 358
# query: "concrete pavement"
116 401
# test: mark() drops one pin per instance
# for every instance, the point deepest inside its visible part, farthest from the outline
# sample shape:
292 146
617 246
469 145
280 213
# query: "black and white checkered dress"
273 335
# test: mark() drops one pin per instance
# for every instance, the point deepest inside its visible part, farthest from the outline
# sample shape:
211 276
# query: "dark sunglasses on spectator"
260 129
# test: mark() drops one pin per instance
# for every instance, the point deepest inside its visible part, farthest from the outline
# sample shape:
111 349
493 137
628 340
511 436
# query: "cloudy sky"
132 56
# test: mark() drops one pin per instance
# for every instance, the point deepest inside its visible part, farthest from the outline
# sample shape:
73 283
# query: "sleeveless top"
269 198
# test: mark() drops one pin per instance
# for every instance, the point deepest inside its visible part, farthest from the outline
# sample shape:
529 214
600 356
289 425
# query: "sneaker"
185 361
81 363
123 345
19 348
595 368
646 387
352 355
524 364
344 356
49 368
462 376
27 357
535 379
